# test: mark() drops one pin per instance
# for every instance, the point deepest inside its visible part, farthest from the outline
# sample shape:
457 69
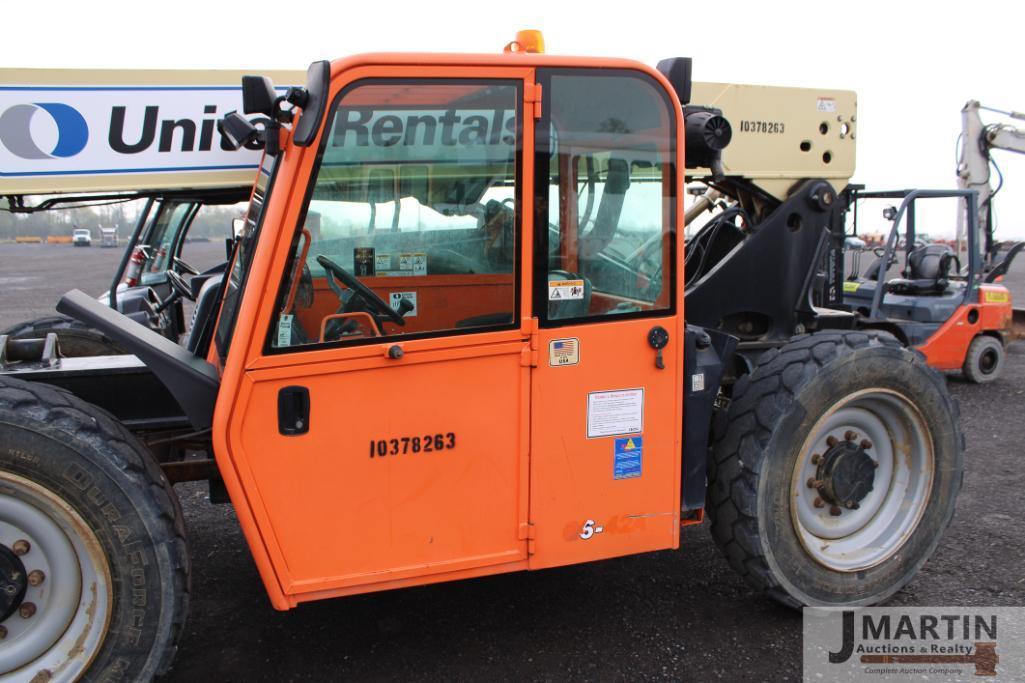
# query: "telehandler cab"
496 353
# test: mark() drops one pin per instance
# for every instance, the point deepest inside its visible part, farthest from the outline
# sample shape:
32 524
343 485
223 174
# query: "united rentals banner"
90 131
915 643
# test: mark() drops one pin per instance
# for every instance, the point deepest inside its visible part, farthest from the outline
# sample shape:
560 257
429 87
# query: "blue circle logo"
16 130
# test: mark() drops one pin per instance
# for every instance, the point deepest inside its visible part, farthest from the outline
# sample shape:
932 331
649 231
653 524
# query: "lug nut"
831 441
875 463
36 577
21 547
835 510
866 444
27 609
3 632
816 459
819 503
813 483
850 435
851 505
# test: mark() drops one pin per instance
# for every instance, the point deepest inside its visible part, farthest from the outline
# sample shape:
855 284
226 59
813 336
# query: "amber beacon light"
531 41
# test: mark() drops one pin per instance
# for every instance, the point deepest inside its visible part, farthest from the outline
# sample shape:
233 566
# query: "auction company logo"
940 643
16 130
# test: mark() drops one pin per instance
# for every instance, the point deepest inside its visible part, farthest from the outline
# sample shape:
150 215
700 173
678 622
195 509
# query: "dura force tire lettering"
772 413
96 467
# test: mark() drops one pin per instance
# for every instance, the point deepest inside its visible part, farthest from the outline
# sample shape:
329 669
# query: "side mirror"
677 71
258 96
237 130
317 79
890 212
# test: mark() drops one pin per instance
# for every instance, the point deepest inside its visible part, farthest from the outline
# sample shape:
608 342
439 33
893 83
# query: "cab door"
375 449
606 395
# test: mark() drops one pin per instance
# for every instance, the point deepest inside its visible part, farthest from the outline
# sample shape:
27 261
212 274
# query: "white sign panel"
51 130
611 413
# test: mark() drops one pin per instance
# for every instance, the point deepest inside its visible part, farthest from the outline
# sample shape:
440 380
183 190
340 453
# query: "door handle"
294 411
657 339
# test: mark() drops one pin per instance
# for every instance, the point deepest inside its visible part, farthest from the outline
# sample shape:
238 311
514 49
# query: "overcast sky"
913 64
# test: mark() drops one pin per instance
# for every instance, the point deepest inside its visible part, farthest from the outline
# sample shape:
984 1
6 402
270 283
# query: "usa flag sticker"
563 352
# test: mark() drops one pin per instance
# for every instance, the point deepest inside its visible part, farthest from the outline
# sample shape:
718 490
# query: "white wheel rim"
885 518
73 601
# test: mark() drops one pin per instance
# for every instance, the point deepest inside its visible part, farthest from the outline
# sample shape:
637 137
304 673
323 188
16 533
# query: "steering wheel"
361 290
183 267
179 285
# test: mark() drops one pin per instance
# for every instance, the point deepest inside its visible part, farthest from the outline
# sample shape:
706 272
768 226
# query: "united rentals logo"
943 644
16 130
54 136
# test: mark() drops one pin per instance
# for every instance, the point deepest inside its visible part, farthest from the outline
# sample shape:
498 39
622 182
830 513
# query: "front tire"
838 470
75 339
91 540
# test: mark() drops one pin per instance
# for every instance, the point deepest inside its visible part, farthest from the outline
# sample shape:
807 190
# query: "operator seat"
202 316
927 271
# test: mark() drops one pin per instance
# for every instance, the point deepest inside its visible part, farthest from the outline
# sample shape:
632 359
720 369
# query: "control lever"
657 339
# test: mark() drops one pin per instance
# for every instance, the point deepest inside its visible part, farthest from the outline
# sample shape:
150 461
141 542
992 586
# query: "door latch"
657 339
294 411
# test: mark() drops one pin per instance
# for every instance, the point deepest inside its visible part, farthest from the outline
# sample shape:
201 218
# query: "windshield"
413 208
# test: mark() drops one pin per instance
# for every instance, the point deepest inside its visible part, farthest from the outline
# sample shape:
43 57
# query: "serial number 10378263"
770 127
428 443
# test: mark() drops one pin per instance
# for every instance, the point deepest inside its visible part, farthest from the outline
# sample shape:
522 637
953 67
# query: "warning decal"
626 460
615 412
559 290
395 297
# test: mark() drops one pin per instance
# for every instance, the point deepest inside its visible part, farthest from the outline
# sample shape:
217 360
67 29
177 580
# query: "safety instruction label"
563 352
559 290
626 459
284 330
382 262
413 263
826 104
395 297
363 261
615 412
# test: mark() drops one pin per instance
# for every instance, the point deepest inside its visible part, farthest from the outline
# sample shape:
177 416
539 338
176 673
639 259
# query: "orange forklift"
961 318
454 340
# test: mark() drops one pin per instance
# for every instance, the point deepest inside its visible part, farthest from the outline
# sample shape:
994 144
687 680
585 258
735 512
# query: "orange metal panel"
572 480
320 515
947 347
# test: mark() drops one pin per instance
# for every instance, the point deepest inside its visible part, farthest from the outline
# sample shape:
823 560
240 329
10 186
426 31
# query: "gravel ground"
667 615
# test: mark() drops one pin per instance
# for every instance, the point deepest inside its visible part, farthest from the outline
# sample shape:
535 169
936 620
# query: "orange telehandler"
461 334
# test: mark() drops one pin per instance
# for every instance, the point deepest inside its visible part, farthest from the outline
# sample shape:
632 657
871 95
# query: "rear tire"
76 339
985 359
765 487
103 525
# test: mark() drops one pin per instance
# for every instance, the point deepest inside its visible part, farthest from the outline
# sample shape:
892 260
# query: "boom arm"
974 163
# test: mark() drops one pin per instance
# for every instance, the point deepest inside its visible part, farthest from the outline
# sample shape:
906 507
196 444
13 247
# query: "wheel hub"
846 474
13 582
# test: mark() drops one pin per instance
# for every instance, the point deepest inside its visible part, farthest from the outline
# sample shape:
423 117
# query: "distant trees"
211 222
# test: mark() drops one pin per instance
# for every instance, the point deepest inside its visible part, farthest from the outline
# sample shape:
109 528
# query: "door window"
609 146
411 227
